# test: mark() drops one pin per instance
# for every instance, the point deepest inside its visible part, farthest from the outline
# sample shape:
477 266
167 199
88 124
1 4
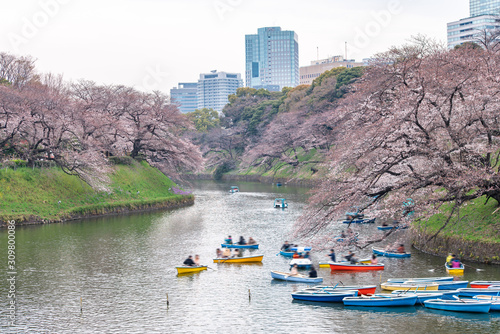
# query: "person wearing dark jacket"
313 273
189 261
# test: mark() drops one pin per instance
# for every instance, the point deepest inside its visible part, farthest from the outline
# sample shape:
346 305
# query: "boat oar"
211 268
477 269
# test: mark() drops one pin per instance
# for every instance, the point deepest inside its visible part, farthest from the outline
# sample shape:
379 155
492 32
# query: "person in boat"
306 255
218 253
294 271
385 224
343 235
197 260
229 240
449 258
286 246
455 262
332 255
349 256
226 253
237 253
189 261
374 259
313 273
251 241
354 259
296 255
242 241
401 249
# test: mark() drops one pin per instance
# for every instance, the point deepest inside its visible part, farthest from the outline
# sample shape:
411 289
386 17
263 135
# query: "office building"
214 88
185 96
484 16
484 7
317 67
272 59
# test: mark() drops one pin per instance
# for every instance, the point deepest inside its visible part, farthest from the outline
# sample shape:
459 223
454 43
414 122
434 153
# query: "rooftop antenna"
345 50
317 52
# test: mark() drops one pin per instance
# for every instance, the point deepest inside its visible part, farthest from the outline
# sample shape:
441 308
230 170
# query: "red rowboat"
355 267
483 284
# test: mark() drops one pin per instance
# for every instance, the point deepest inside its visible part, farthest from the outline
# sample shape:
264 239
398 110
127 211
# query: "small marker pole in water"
249 295
167 300
380 278
81 305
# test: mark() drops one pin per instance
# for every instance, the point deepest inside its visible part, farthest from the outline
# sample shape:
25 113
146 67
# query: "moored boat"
420 279
445 294
360 221
380 300
300 250
362 289
324 296
495 301
295 278
253 246
421 297
355 267
409 286
454 271
190 269
447 285
483 284
326 264
242 259
459 305
382 252
390 227
471 292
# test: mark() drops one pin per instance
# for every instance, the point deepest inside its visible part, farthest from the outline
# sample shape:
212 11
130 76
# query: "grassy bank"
49 194
475 236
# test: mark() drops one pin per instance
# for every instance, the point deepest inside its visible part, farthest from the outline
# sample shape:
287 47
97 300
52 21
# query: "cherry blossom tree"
423 123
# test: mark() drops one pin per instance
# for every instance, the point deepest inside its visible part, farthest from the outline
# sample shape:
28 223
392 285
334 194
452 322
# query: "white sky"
154 44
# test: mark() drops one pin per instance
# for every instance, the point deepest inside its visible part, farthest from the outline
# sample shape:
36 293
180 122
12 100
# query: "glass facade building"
272 59
483 17
214 88
185 96
484 7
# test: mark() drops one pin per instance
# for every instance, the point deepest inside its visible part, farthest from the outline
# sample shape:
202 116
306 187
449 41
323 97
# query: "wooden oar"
477 269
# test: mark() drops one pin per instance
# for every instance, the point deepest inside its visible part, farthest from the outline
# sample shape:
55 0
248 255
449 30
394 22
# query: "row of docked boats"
482 301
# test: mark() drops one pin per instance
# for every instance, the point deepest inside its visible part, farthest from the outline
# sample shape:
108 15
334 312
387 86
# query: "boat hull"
471 292
409 286
483 284
255 246
188 269
454 271
495 301
382 252
326 297
458 305
362 289
301 263
420 279
295 278
244 259
445 294
355 267
380 301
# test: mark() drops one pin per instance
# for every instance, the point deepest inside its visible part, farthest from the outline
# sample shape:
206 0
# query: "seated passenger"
229 240
226 252
313 273
218 253
374 259
306 255
197 260
286 246
189 261
294 270
401 249
296 255
242 241
251 241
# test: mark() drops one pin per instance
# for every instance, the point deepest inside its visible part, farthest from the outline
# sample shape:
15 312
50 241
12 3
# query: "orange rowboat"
355 267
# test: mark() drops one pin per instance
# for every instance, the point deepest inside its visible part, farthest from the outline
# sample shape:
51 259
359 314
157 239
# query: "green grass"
51 194
477 222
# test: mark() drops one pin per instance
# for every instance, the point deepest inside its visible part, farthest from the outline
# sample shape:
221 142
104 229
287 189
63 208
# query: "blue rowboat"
324 296
421 297
382 252
234 189
471 292
445 294
295 278
291 250
447 285
359 221
495 301
459 305
420 279
381 300
254 246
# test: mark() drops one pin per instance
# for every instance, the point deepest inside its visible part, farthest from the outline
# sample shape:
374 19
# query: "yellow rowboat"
326 264
455 271
243 259
409 286
189 269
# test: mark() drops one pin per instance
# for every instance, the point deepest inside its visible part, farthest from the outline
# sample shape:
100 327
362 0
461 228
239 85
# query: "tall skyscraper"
215 87
484 7
185 96
483 17
272 59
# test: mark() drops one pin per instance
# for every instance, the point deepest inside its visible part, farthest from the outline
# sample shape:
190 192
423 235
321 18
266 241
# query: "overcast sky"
154 44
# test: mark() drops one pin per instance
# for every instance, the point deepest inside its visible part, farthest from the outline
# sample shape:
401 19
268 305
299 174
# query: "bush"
225 167
123 160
